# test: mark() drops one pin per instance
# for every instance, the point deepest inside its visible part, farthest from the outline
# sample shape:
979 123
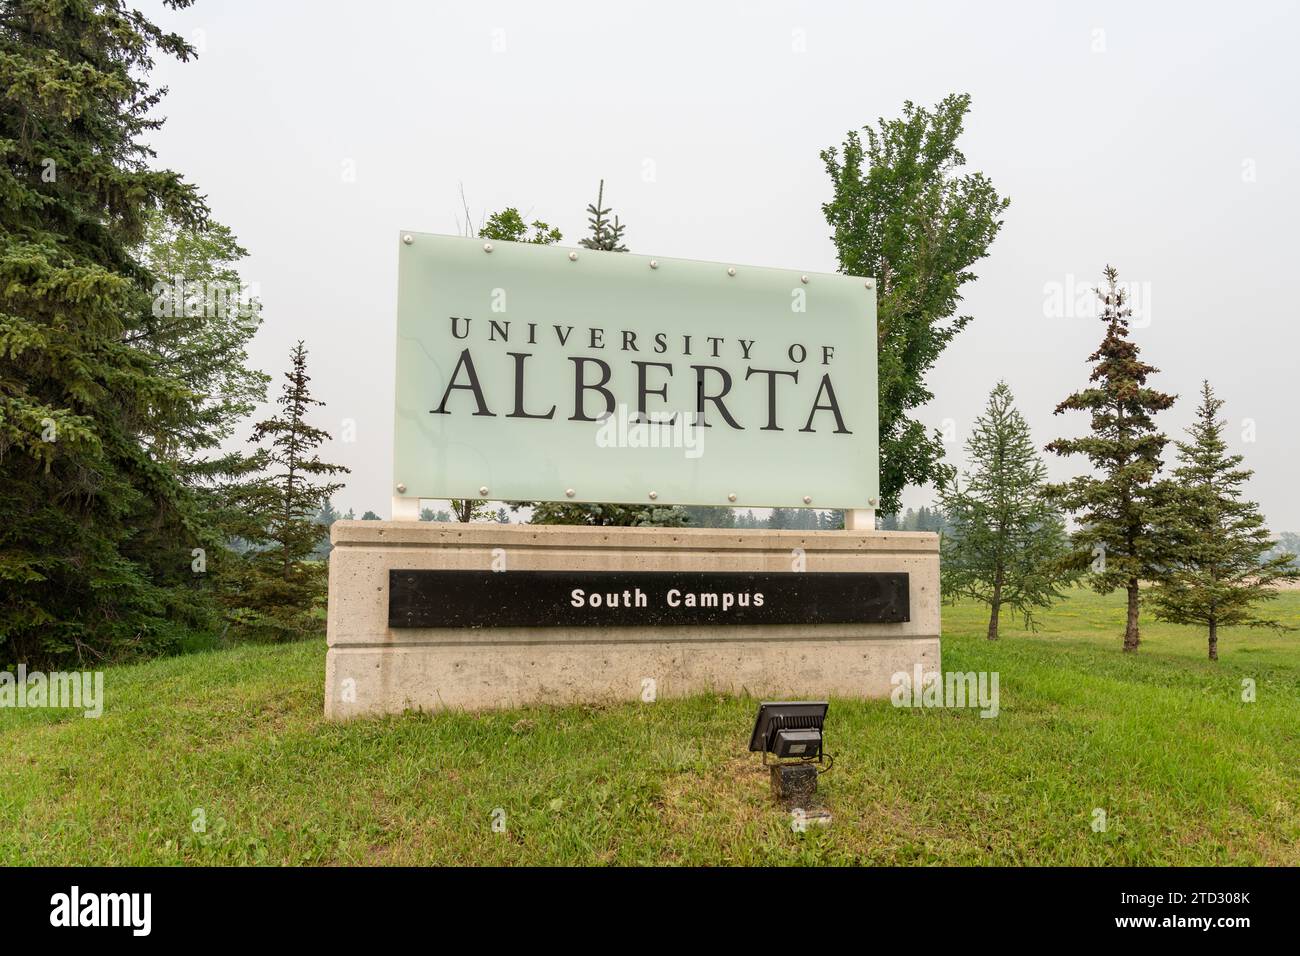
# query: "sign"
539 373
422 598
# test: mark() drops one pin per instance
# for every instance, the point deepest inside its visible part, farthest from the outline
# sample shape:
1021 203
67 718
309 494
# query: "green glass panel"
782 363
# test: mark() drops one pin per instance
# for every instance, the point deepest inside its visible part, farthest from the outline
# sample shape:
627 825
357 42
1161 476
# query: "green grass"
1186 771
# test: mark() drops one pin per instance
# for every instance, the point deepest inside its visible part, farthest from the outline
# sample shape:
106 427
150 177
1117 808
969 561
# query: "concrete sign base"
375 668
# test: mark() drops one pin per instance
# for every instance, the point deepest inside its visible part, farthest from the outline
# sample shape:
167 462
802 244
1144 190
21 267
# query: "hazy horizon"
1150 140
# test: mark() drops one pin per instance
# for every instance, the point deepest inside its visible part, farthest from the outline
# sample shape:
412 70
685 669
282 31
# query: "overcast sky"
1162 138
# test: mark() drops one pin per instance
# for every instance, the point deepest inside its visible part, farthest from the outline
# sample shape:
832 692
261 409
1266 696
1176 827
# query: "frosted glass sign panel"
541 373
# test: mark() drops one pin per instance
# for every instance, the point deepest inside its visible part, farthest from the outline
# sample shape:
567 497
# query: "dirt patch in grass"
734 794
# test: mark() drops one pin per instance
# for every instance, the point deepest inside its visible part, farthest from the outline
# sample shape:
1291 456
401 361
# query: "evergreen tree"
325 518
805 519
80 399
605 235
281 588
1114 507
902 214
1008 545
609 516
780 519
1216 544
1287 542
707 516
370 516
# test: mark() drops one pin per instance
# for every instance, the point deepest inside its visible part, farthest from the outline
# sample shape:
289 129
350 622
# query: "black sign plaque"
427 598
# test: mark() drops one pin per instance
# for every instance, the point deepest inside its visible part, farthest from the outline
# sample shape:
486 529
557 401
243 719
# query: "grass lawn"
1186 772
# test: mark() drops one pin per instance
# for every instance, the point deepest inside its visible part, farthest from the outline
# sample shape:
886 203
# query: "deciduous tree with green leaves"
1007 544
903 212
508 225
203 317
471 509
1216 563
1115 505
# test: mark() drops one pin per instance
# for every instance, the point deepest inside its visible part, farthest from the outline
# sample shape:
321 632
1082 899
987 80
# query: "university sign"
546 374
539 373
628 598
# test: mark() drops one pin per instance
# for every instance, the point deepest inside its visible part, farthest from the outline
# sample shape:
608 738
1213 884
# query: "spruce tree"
1217 566
80 399
781 519
609 515
1287 542
708 516
282 587
606 235
325 517
1007 542
1114 506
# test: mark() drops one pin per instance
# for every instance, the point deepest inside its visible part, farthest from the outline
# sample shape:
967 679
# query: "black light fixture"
791 732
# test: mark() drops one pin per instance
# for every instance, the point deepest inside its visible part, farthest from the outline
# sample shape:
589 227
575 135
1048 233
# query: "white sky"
1162 138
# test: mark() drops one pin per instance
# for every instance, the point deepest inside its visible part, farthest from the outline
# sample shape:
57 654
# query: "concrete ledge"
372 669
550 537
462 677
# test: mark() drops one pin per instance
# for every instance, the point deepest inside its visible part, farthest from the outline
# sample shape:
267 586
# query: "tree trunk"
1214 640
995 606
288 513
1131 639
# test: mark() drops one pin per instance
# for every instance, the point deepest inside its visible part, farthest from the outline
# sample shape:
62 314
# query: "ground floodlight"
791 731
